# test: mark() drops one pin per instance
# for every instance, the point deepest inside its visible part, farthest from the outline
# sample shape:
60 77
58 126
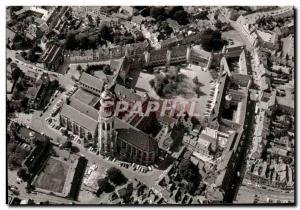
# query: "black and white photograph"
150 105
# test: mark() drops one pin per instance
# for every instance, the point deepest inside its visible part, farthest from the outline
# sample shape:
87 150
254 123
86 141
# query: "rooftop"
91 81
122 91
138 139
52 53
85 97
81 118
84 108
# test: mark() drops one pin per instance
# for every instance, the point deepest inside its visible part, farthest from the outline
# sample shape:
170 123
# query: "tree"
90 18
152 83
8 60
116 176
171 10
107 70
97 21
106 33
71 41
287 57
197 90
157 12
22 173
84 42
164 27
181 17
16 72
31 55
145 12
104 186
211 40
187 170
15 159
218 24
23 54
195 80
92 42
67 144
11 147
29 188
79 67
15 8
62 88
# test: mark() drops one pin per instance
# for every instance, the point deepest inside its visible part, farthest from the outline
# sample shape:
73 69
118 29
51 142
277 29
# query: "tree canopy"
189 172
104 186
212 40
116 176
181 17
145 12
16 72
22 173
67 144
157 13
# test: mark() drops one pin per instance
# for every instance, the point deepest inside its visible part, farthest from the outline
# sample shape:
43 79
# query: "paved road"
268 191
263 194
25 65
39 124
148 179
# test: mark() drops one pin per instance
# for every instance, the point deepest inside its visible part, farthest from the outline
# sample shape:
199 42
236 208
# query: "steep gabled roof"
138 139
91 81
79 117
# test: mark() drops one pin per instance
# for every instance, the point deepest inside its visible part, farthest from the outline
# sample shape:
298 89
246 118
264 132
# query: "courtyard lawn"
53 176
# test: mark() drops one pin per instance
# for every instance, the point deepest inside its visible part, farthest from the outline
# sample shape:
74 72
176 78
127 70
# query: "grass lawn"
53 176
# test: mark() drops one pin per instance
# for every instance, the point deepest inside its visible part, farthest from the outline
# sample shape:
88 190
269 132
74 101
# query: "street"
248 193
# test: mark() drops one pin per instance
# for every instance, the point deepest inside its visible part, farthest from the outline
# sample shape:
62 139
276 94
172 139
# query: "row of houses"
178 54
255 36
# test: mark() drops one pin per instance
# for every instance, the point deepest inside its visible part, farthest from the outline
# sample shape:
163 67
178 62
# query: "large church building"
109 134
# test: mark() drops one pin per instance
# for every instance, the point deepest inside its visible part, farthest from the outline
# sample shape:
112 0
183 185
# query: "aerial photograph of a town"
150 105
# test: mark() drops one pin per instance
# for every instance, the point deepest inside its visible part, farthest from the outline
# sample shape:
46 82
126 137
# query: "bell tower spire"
106 134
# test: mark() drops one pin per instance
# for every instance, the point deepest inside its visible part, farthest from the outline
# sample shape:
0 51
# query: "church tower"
106 132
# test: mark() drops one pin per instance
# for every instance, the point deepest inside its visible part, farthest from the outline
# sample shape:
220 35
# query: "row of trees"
162 13
190 173
85 41
103 67
16 155
114 177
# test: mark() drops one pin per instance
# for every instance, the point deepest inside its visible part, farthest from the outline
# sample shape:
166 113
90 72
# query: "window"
103 126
